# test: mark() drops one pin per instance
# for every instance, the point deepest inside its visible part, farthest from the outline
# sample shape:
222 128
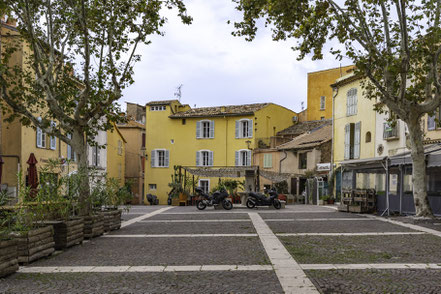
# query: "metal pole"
387 187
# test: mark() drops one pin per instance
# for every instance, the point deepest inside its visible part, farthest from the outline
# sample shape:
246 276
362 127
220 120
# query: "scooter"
258 199
218 197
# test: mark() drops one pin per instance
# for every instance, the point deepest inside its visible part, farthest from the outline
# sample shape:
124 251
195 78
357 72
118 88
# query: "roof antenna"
178 93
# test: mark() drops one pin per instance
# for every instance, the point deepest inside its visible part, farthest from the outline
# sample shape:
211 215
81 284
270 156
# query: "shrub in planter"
8 244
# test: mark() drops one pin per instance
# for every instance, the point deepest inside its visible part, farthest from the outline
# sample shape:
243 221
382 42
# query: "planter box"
175 201
8 257
67 233
93 226
35 244
112 219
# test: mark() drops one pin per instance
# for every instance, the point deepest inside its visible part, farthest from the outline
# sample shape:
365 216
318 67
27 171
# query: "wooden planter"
8 257
175 201
93 226
35 244
67 233
112 219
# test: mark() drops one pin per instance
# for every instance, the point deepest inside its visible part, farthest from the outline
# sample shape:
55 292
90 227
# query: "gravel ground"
336 227
182 282
196 216
310 215
364 249
187 228
377 281
161 251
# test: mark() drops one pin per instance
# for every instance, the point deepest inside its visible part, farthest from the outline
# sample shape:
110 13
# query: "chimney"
11 21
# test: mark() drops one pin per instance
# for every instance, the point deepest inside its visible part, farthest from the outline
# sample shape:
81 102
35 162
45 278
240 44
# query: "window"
205 129
96 155
322 102
243 158
53 139
390 131
41 137
302 160
120 147
157 108
368 137
434 120
205 185
204 158
70 154
352 140
322 118
152 186
143 141
267 160
184 121
244 128
351 102
160 158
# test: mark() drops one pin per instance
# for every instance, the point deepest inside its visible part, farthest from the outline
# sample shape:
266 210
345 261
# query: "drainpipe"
280 162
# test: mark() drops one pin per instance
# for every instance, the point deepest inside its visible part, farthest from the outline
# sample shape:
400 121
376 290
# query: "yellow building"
221 136
320 92
116 155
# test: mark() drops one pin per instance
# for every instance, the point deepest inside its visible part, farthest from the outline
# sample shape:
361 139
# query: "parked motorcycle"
218 197
258 199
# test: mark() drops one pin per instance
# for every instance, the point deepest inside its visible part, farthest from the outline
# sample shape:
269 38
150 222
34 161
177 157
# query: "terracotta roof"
161 102
309 139
228 110
303 127
131 124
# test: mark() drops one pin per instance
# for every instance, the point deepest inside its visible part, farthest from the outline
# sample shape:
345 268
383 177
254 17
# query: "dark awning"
367 163
433 157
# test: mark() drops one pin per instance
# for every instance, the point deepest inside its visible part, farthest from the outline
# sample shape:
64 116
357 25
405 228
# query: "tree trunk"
79 145
419 178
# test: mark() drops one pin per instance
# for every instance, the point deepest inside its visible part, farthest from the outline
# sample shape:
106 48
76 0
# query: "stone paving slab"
336 227
170 282
162 251
187 228
125 216
364 249
434 224
199 216
293 215
376 281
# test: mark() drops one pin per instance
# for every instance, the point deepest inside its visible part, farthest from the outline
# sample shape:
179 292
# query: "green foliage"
281 187
108 193
228 184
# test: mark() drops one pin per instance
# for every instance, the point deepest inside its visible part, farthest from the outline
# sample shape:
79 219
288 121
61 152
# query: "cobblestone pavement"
377 281
131 246
434 224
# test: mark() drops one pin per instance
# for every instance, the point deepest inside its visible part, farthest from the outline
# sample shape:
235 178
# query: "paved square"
300 249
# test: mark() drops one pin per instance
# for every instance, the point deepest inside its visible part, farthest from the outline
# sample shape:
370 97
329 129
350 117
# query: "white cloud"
217 68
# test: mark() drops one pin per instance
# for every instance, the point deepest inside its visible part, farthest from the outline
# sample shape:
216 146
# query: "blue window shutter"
198 158
198 129
210 160
212 129
153 158
167 158
237 129
250 128
237 161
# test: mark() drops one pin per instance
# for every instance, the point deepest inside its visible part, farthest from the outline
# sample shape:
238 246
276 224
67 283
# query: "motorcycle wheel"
277 204
201 205
251 204
227 205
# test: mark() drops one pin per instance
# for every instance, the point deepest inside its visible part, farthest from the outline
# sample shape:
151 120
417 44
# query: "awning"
432 152
367 163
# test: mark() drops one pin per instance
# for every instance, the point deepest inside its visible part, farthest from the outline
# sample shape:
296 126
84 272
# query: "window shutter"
198 158
39 137
153 158
250 128
237 129
347 141
198 130
167 158
93 155
237 161
357 137
98 160
249 158
355 102
53 139
212 129
69 152
210 159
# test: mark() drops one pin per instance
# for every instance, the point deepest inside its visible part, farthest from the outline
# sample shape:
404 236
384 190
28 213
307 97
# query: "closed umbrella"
32 174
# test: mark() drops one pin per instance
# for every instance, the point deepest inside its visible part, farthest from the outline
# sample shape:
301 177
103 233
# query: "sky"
216 68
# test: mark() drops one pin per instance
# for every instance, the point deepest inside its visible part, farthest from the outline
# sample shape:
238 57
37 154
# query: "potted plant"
114 197
8 244
176 190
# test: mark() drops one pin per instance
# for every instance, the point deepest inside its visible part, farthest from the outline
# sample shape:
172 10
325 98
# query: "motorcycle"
218 197
258 199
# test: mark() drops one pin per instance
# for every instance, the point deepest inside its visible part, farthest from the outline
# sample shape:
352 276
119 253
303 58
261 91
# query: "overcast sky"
216 68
